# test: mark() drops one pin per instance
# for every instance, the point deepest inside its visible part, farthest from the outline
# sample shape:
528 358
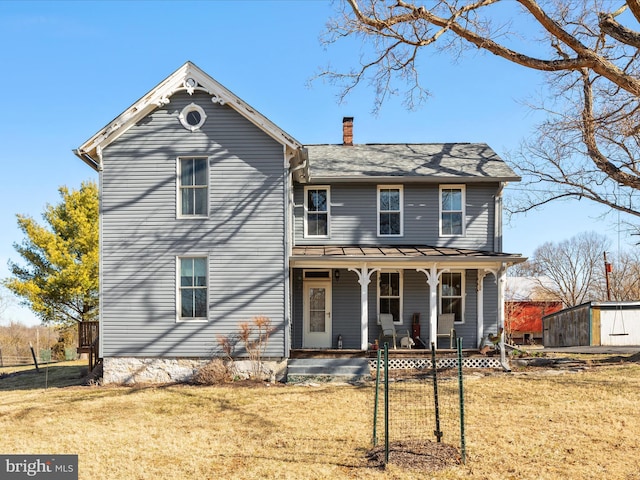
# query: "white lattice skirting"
424 363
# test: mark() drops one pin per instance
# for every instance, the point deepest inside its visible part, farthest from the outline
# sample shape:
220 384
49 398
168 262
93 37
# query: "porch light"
336 274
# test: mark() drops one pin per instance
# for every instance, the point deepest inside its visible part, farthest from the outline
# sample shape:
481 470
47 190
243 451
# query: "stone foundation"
133 370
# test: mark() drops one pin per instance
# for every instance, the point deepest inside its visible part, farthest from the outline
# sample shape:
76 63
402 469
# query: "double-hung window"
452 210
451 294
389 211
316 211
390 294
193 186
192 297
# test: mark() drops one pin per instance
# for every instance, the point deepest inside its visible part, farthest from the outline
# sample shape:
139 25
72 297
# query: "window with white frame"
192 288
452 210
452 294
193 186
316 211
389 211
390 294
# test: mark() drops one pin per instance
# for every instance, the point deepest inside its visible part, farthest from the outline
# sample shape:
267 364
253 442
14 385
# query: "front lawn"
528 425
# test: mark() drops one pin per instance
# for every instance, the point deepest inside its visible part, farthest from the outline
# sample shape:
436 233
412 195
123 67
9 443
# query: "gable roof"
91 150
437 162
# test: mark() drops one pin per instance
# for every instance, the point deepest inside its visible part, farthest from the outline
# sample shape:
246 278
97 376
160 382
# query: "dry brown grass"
522 426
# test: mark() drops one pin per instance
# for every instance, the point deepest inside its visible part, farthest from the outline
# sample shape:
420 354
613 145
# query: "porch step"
328 369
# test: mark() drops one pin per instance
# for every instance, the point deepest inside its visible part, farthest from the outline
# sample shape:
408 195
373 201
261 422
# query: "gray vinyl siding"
243 236
354 217
490 291
346 309
468 329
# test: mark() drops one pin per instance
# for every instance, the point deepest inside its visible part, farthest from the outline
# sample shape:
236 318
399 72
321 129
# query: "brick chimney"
347 131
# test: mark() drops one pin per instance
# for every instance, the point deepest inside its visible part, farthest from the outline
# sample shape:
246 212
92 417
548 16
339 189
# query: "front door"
317 314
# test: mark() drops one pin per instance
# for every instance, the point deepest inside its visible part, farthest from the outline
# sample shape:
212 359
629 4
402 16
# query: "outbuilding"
593 323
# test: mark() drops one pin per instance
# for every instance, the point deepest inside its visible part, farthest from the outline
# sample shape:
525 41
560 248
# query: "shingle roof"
440 161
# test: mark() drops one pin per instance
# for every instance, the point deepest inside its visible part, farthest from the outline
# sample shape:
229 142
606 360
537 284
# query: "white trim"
179 319
400 273
179 213
192 107
327 188
317 339
161 94
400 189
100 266
463 202
462 293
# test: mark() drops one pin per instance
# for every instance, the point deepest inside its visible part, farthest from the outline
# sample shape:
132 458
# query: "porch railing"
89 342
87 334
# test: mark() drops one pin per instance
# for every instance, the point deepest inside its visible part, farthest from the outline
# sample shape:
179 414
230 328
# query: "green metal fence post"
386 403
434 370
461 389
375 406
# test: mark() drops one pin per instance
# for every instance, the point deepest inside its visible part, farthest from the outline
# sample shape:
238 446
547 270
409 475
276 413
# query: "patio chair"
445 327
388 329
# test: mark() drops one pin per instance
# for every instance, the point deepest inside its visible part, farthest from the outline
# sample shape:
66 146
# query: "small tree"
254 337
58 280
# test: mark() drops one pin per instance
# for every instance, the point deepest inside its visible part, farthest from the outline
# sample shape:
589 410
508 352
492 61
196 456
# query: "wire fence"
44 356
419 404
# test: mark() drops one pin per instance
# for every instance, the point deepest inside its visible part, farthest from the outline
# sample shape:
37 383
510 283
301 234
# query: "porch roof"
339 255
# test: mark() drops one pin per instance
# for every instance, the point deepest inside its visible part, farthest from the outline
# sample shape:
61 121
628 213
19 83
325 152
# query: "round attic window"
192 117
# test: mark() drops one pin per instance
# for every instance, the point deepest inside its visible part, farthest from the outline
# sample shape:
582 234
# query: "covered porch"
338 294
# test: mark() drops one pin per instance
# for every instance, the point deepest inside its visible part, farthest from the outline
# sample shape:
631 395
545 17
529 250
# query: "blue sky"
71 67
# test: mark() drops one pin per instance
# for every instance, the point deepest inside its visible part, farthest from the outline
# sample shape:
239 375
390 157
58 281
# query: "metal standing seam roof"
440 161
393 252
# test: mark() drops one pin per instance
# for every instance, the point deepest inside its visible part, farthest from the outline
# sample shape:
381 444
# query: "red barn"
523 320
524 309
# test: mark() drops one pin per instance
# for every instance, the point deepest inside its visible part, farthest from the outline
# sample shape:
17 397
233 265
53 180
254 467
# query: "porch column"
501 278
364 278
433 279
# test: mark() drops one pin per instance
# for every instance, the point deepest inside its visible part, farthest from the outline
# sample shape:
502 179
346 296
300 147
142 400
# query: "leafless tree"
575 267
589 145
624 279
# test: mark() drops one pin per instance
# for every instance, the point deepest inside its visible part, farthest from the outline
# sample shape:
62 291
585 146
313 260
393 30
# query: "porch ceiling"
398 254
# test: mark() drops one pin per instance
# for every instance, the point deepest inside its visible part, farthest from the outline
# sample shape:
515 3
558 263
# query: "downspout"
497 224
501 290
287 241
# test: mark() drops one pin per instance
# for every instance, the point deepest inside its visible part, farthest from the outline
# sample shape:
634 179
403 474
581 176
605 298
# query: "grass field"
526 425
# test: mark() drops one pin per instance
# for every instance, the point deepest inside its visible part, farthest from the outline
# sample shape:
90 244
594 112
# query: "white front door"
317 314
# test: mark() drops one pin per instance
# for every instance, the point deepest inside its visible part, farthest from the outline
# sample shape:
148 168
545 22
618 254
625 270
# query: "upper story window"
452 214
316 211
192 298
193 186
390 294
389 210
452 294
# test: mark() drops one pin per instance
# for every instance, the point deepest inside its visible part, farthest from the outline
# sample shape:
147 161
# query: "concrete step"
327 369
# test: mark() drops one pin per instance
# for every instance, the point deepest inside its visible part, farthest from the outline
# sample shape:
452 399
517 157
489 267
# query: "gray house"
212 215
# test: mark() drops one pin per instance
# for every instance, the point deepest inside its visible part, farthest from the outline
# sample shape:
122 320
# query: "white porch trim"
433 279
364 278
480 304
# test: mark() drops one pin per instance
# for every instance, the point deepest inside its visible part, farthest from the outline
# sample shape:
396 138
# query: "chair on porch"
388 329
445 328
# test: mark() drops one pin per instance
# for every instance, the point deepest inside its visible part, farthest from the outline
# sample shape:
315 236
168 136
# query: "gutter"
86 158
